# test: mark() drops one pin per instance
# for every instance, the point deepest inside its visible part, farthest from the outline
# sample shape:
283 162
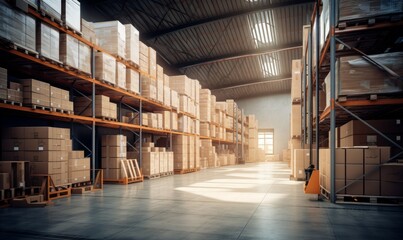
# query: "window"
266 140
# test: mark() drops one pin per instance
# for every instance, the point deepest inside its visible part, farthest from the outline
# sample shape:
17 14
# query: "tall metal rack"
342 110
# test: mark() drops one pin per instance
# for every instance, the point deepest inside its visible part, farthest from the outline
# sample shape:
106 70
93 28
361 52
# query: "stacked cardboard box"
362 171
152 62
166 119
17 27
205 105
148 87
52 8
71 14
132 80
14 93
75 53
156 160
46 148
132 44
36 92
174 121
253 138
60 99
79 167
231 107
3 83
212 109
48 39
103 107
121 75
205 129
180 146
181 84
296 99
208 155
88 32
113 153
160 84
174 99
111 37
143 57
300 162
105 67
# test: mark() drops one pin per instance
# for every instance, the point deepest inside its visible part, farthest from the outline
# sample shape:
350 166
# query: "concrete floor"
253 201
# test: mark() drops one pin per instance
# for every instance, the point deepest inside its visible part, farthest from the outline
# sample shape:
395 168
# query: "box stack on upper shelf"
103 107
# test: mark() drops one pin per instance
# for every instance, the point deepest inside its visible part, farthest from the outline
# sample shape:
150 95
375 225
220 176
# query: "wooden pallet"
52 18
50 60
131 172
19 47
184 171
153 176
35 107
133 64
106 82
76 70
109 119
53 109
11 102
166 174
82 189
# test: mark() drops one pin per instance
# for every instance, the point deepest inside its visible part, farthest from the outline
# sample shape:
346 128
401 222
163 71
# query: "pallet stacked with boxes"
205 112
156 161
103 107
253 138
49 152
117 167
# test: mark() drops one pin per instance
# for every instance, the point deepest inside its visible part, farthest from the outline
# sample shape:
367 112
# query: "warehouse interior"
184 119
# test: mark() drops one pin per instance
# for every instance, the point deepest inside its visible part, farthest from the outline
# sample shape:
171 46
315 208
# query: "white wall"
271 111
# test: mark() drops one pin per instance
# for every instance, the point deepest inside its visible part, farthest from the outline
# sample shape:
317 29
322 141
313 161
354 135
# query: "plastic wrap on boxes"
353 9
48 41
69 50
52 7
356 76
112 37
148 87
167 96
132 44
105 67
71 14
88 32
181 84
121 75
132 80
84 60
174 99
143 57
152 62
17 27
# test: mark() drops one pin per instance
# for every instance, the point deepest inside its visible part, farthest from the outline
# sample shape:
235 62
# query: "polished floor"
253 201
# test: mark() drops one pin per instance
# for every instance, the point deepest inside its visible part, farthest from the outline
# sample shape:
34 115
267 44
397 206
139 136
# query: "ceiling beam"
263 81
239 55
243 12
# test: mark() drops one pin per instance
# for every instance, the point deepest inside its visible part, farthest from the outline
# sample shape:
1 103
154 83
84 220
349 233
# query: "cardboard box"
76 154
354 171
114 140
78 164
47 133
13 156
392 172
112 37
355 156
46 145
79 176
45 156
391 189
35 86
295 120
372 188
13 145
46 167
296 80
18 172
115 152
356 188
36 99
110 162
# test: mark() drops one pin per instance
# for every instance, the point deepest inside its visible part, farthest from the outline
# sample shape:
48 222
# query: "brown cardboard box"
3 93
354 171
13 145
3 78
356 127
114 140
301 162
46 156
372 172
45 145
391 188
4 181
76 154
392 172
354 156
79 176
356 188
109 151
46 167
295 120
149 163
35 86
372 188
372 155
79 164
47 133
55 92
296 79
340 171
385 154
112 162
33 98
13 156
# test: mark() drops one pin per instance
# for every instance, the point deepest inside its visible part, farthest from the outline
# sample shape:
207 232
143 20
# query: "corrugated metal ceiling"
222 43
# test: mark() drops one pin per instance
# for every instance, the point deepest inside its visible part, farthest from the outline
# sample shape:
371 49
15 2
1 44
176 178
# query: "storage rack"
341 110
27 63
